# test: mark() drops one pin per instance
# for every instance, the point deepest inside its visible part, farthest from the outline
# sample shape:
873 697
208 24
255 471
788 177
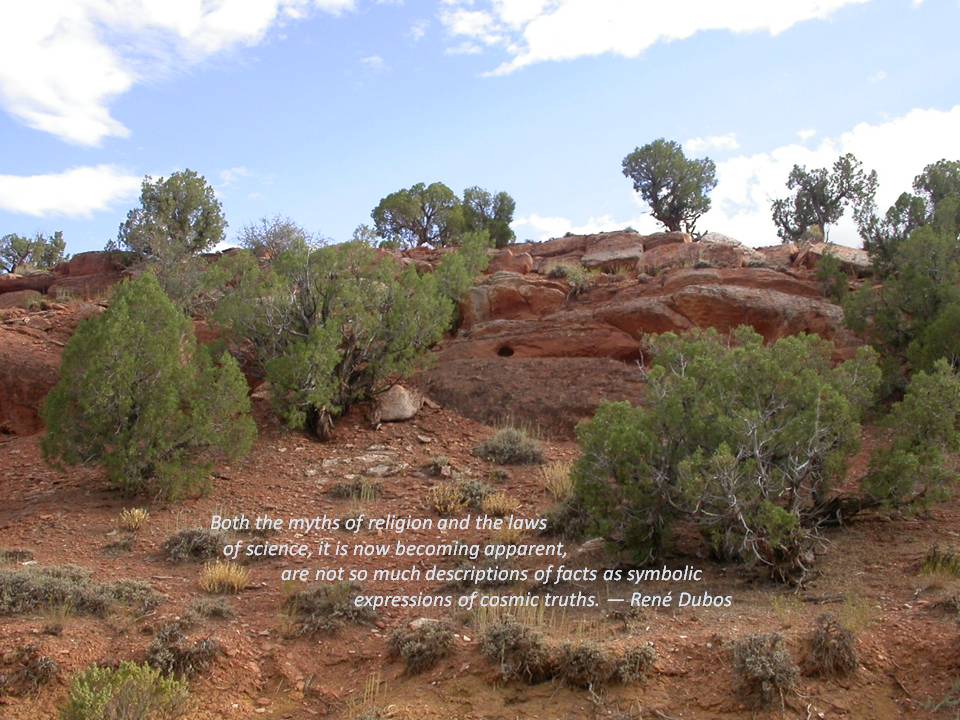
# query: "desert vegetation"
751 451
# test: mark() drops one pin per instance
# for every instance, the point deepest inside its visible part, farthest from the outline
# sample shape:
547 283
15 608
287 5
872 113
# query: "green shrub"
325 608
764 669
510 446
333 326
423 646
129 692
831 649
924 426
833 280
577 276
44 588
138 395
742 438
195 545
913 314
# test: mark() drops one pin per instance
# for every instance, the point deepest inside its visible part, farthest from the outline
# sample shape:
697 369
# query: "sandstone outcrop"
854 261
528 346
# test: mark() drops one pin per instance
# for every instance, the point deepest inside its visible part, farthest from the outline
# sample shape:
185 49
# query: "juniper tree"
139 396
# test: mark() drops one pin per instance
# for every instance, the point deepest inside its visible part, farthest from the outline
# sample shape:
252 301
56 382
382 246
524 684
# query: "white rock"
398 403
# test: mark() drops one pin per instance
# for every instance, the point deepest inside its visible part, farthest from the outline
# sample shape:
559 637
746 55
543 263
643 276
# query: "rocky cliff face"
532 346
526 333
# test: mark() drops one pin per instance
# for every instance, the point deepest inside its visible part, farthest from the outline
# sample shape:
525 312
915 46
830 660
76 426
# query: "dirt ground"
869 575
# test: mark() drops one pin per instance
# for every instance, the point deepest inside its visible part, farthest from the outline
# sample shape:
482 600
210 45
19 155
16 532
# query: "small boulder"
20 299
854 261
665 238
505 260
398 403
612 250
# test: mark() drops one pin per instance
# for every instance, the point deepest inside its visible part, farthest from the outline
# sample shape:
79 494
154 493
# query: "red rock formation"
855 261
506 260
509 296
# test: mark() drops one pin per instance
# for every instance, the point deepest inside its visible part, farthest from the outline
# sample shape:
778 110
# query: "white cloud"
374 63
806 134
540 227
877 77
78 192
476 24
533 31
713 142
63 61
464 48
418 30
230 175
897 149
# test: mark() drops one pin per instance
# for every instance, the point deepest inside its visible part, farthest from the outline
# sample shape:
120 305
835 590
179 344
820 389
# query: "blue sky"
315 109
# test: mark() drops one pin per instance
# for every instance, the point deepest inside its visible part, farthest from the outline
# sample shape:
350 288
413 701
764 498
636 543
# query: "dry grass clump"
222 577
446 499
589 665
520 651
586 665
128 692
358 490
635 663
173 655
13 556
579 277
941 562
831 650
764 669
421 647
325 609
132 519
510 446
507 536
557 480
499 504
194 545
37 589
474 493
25 670
55 618
119 547
440 466
523 653
213 607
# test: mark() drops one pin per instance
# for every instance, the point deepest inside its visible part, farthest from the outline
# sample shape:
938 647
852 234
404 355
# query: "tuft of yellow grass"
446 499
222 578
508 536
499 504
132 519
557 480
